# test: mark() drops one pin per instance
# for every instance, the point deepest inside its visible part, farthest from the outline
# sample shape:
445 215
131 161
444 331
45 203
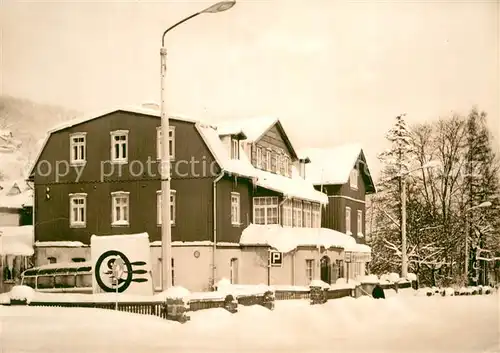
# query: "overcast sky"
332 71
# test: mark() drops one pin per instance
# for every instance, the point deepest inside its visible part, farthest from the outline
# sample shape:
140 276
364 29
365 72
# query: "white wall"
8 219
62 254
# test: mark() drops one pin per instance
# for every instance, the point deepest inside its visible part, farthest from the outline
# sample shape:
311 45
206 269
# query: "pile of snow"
22 293
448 292
411 277
425 291
175 292
320 284
225 287
368 279
17 241
341 283
59 244
287 288
285 239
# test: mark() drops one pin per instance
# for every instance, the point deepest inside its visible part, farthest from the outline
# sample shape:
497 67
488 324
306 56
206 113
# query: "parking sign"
276 258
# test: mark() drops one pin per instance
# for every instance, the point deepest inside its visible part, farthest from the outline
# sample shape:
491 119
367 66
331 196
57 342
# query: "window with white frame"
286 166
307 215
309 270
265 210
279 163
259 157
235 209
235 148
120 208
78 210
316 215
78 148
171 142
119 146
353 178
360 223
268 160
297 213
159 207
286 214
348 220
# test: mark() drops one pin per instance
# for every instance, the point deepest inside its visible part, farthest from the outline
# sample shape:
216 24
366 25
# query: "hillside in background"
28 122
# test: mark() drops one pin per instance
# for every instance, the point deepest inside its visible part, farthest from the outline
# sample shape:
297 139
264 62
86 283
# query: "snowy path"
397 324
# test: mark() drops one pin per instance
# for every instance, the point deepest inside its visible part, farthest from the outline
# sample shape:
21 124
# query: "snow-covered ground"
401 323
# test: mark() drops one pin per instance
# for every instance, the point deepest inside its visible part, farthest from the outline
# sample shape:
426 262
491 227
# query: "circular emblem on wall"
113 269
196 254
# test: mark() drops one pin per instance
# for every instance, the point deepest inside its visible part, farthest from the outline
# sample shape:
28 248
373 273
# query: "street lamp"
166 235
467 231
404 256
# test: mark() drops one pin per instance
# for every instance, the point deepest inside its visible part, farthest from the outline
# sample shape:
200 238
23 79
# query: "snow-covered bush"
22 294
368 279
173 293
411 277
319 283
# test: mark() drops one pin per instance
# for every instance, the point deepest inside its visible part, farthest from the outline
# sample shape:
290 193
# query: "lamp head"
219 7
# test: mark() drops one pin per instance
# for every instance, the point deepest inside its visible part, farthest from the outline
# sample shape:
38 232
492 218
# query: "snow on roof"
16 201
286 239
17 241
61 244
291 187
331 165
253 128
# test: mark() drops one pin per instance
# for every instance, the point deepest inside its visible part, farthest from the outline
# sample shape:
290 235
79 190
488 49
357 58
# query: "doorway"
326 269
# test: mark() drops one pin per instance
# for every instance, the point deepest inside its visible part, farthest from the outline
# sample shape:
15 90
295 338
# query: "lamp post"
166 235
404 256
467 231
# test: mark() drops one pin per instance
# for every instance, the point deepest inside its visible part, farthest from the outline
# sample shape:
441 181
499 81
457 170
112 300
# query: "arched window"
233 269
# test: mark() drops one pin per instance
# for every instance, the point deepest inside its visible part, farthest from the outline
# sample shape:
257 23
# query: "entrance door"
326 270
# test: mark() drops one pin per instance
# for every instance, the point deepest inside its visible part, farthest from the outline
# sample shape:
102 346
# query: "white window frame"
125 214
360 223
235 148
270 205
173 200
259 158
119 159
309 270
298 217
268 160
286 167
287 213
235 209
316 215
353 179
171 140
77 223
81 148
348 220
307 211
279 163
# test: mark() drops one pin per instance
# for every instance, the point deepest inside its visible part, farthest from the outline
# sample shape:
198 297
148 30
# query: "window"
260 162
119 146
287 215
78 259
286 166
233 269
316 215
78 210
268 160
265 210
172 207
348 220
309 270
297 213
51 260
339 264
360 223
77 148
279 163
235 149
274 162
120 210
171 142
307 215
353 178
235 208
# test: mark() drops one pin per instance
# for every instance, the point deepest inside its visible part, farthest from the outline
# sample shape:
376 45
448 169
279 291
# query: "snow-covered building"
238 199
16 203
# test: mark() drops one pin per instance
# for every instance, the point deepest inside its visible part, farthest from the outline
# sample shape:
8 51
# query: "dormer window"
353 179
260 161
268 160
235 148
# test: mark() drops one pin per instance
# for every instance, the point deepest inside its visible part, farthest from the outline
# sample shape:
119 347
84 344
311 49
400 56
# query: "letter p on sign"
276 258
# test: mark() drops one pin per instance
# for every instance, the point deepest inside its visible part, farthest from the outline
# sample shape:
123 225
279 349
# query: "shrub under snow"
411 277
22 293
319 283
173 293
